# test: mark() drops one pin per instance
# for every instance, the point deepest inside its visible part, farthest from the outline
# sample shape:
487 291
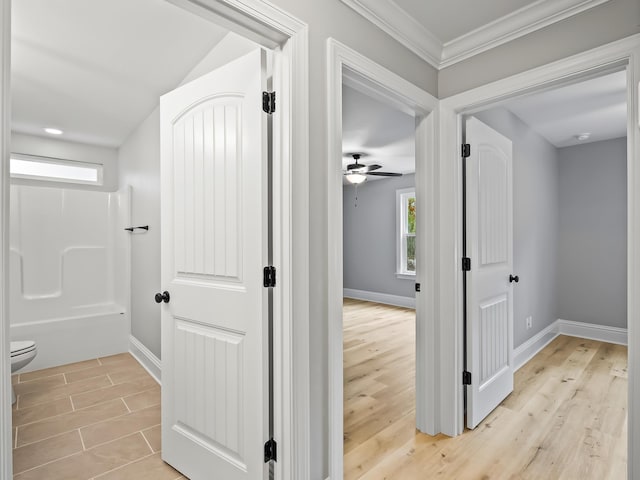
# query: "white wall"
81 152
610 21
139 167
370 237
535 223
592 260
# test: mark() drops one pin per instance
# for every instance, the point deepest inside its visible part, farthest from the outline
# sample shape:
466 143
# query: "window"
54 169
406 222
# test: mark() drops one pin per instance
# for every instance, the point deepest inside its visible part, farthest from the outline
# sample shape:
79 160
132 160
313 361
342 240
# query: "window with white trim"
406 236
33 167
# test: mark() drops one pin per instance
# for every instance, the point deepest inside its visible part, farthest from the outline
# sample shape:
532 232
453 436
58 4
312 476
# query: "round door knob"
514 278
163 297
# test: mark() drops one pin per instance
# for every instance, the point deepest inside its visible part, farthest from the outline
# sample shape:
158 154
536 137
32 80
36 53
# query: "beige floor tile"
13 438
15 378
144 399
118 358
39 453
119 373
93 462
154 437
41 411
39 385
149 468
117 427
47 372
70 421
82 400
62 391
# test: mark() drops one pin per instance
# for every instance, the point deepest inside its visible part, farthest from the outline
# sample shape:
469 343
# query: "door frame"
619 54
344 62
272 28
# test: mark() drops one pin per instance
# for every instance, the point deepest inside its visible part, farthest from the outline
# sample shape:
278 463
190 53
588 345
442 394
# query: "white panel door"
214 247
489 290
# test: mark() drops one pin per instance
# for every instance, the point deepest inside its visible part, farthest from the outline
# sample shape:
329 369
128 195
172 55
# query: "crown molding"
514 25
395 21
392 19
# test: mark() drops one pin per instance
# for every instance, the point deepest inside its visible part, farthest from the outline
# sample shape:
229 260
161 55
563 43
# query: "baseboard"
593 332
535 344
148 360
387 299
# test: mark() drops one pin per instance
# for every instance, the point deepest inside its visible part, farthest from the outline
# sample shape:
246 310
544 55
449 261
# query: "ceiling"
444 32
95 69
383 134
597 106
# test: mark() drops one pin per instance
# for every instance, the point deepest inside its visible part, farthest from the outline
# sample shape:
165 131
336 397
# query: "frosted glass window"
55 170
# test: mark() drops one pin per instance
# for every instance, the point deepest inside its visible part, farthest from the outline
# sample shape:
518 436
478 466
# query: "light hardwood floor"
98 419
566 419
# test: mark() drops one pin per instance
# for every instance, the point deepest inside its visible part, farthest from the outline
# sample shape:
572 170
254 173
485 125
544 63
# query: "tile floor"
98 419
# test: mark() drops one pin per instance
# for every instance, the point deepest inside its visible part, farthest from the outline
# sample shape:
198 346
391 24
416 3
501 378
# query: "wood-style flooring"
98 419
566 418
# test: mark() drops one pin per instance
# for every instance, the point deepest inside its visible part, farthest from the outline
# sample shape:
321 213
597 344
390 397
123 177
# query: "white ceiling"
596 106
444 32
449 19
95 68
383 134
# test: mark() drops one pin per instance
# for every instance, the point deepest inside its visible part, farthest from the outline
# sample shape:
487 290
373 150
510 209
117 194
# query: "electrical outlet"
529 322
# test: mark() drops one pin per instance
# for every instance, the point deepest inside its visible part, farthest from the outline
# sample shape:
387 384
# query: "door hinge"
269 102
466 264
270 451
269 276
466 378
466 150
417 287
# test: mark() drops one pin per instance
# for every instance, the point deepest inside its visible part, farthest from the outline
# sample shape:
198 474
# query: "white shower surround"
69 272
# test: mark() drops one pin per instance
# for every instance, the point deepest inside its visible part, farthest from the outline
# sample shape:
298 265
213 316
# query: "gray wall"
65 150
370 237
592 260
139 159
535 223
605 23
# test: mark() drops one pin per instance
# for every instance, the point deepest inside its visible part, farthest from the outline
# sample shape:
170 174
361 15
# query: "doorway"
288 35
347 66
582 66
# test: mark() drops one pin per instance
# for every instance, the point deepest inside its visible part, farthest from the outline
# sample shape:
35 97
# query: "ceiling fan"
357 173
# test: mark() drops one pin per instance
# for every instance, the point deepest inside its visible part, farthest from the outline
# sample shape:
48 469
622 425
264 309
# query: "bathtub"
69 273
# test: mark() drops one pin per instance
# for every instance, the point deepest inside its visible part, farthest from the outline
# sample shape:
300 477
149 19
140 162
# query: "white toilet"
22 353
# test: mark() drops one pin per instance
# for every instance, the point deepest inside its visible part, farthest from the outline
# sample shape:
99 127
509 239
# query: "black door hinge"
270 451
417 287
466 378
269 276
269 102
466 264
466 150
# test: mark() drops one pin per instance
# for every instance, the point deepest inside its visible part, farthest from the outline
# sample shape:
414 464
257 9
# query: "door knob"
512 278
163 297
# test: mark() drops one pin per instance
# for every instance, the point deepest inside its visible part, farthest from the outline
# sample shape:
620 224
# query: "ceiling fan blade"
385 174
369 168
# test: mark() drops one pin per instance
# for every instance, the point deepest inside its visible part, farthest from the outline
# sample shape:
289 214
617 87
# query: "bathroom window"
406 237
54 169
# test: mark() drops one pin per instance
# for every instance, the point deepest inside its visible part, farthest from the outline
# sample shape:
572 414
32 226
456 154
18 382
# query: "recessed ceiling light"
54 131
583 136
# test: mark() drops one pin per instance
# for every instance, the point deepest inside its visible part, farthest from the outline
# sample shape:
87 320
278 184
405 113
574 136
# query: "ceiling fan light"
355 178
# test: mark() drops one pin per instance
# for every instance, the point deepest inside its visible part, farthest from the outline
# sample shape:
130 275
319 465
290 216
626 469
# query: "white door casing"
214 246
489 291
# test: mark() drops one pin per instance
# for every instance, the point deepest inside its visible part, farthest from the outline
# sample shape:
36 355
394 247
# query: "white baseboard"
396 300
148 360
592 331
531 347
